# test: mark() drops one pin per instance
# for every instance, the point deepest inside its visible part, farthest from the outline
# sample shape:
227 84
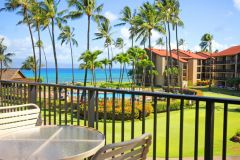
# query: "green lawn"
189 124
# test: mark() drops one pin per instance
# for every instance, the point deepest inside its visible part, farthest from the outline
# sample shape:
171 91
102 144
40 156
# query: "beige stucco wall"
160 63
192 71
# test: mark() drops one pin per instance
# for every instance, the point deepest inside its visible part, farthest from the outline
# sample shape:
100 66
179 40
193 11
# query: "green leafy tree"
105 62
144 64
67 37
5 58
92 11
23 7
105 32
29 64
40 44
127 16
206 46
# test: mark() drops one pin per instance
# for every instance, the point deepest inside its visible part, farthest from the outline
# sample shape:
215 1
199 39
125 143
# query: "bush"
202 83
174 105
185 91
118 110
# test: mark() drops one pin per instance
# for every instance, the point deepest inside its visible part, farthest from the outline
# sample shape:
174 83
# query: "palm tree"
24 6
90 61
176 23
40 44
29 64
119 59
120 44
206 45
105 33
92 11
5 59
67 37
127 16
134 54
181 42
144 64
105 62
147 20
53 17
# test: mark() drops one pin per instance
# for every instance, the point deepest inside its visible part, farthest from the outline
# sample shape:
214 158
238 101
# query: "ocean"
65 75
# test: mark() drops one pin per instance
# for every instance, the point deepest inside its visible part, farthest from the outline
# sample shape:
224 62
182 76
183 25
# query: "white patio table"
51 143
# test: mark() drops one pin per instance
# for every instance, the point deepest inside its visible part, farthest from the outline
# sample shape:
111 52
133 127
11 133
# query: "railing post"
91 105
32 94
209 131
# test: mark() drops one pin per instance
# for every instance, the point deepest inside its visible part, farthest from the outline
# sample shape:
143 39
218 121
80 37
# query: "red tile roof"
162 53
189 55
204 54
228 52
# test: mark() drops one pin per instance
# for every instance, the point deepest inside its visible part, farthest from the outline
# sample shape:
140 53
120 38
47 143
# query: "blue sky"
218 17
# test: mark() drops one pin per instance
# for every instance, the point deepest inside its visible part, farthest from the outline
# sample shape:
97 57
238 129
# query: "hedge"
174 105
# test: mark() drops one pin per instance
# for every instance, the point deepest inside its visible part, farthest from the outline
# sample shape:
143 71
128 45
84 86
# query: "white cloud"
125 33
237 4
111 16
229 13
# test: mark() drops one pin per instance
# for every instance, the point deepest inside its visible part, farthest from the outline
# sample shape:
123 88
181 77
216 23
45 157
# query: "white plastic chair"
13 118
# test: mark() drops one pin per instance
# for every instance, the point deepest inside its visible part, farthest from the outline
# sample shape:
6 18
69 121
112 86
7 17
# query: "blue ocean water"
65 75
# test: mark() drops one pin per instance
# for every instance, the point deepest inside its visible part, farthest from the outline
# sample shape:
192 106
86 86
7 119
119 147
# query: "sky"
218 17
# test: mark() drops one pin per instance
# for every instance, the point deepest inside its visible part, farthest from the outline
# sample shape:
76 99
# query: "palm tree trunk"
45 64
170 49
179 65
211 67
72 63
167 60
54 51
151 58
40 54
32 41
110 73
124 66
133 76
120 76
105 68
1 63
144 77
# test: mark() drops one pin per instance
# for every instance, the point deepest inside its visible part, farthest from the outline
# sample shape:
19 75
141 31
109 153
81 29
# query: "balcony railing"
223 70
88 106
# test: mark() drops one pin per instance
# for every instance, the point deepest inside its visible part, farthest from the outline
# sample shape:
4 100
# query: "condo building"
219 66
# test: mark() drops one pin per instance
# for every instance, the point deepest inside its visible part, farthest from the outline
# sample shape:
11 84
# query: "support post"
209 131
91 105
32 94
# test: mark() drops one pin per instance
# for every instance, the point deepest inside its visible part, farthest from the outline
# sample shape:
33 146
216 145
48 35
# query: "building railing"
88 106
223 70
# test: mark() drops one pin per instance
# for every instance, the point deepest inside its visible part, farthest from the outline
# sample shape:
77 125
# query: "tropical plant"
23 6
144 64
67 37
120 44
52 17
90 61
206 46
40 44
105 33
29 64
182 43
122 59
127 16
135 54
147 20
105 62
5 58
92 11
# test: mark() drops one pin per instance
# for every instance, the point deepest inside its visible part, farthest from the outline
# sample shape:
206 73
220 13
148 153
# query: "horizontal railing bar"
153 94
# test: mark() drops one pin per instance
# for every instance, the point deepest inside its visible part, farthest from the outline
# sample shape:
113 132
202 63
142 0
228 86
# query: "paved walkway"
200 158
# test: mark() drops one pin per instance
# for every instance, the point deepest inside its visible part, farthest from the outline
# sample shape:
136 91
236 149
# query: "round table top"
51 142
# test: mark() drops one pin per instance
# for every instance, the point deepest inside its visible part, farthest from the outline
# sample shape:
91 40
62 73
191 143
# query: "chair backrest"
135 149
18 117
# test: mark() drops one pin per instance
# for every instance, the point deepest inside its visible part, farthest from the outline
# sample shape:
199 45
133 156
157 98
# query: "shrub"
174 105
118 110
185 91
202 83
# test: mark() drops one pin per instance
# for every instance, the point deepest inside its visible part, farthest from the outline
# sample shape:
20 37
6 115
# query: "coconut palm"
53 17
92 11
5 58
29 64
90 61
120 44
134 54
23 6
104 32
206 45
67 37
105 62
147 20
127 16
182 43
144 64
40 44
119 59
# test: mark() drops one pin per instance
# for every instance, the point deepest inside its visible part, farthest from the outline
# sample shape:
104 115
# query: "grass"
189 126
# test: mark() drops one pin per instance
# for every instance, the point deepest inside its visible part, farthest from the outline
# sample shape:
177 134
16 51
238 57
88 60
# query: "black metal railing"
88 106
